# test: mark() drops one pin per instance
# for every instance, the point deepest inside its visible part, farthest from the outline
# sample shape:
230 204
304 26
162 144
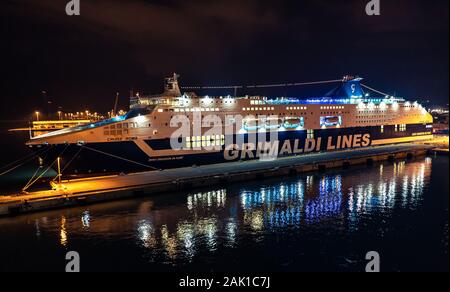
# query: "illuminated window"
310 134
331 121
382 129
205 141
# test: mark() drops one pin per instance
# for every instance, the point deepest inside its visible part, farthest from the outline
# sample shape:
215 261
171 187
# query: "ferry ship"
176 129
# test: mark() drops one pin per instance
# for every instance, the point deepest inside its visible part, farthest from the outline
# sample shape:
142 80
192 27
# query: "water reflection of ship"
288 205
207 220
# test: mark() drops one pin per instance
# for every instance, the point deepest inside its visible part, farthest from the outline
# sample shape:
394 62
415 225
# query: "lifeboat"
293 122
253 124
273 123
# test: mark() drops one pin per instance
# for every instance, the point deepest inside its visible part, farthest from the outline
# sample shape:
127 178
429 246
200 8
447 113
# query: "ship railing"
83 127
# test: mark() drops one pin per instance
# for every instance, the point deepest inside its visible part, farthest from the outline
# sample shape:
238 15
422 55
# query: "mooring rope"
42 174
68 164
121 158
34 155
374 90
31 179
18 160
294 84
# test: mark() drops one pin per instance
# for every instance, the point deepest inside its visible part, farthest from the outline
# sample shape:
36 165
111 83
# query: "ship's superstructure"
178 129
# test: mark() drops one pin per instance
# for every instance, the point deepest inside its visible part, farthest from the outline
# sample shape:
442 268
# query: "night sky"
82 61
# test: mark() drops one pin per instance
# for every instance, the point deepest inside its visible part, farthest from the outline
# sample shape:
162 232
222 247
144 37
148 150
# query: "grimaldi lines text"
289 147
176 129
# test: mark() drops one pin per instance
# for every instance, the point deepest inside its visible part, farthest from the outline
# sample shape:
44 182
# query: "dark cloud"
156 31
118 45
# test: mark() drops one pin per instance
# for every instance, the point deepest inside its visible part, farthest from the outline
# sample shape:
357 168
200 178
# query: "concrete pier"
99 189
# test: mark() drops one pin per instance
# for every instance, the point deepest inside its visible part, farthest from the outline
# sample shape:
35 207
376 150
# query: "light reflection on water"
206 218
175 229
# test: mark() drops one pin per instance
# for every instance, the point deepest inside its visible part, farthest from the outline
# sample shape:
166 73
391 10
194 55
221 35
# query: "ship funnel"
349 88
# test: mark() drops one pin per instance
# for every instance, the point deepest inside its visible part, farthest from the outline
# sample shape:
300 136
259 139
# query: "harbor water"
324 221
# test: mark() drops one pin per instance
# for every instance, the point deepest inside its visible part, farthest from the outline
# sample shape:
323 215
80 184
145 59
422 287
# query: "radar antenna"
171 87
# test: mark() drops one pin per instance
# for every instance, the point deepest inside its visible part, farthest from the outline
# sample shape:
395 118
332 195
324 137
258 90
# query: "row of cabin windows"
116 132
374 116
265 115
302 108
333 113
258 109
257 102
205 138
371 112
332 107
398 128
218 140
371 115
222 102
200 141
205 141
119 129
401 128
187 110
122 129
157 101
370 121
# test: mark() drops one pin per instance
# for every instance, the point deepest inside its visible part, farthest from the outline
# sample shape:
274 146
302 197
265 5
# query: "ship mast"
172 87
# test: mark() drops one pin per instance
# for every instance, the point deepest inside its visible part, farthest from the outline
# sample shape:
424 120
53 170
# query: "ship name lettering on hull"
297 146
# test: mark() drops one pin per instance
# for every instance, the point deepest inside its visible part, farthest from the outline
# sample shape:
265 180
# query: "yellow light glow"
395 106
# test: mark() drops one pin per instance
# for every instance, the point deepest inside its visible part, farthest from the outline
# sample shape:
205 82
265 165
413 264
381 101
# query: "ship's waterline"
288 147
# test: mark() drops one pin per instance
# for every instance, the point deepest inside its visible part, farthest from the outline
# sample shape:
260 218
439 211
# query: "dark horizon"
82 61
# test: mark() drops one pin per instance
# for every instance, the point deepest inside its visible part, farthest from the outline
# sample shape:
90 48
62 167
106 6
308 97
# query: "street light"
59 115
37 116
59 170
